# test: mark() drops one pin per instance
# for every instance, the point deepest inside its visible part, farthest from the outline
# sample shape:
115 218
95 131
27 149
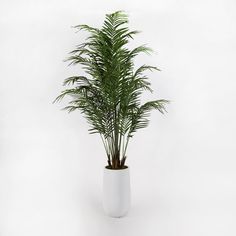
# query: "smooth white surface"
183 165
116 192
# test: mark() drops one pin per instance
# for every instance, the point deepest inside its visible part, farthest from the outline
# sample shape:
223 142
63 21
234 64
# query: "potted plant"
108 95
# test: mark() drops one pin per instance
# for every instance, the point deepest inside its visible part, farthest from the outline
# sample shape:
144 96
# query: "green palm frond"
109 96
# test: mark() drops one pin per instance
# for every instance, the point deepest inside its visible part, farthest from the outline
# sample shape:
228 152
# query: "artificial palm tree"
109 96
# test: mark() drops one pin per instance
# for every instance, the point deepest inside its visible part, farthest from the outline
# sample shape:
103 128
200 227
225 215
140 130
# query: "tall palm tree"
109 97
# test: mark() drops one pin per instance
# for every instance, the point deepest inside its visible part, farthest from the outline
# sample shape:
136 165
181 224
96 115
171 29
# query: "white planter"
116 192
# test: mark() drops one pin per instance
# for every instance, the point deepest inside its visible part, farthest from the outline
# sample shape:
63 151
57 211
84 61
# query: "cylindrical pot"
116 192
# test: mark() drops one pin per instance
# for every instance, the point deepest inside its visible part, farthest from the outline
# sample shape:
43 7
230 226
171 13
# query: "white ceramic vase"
116 192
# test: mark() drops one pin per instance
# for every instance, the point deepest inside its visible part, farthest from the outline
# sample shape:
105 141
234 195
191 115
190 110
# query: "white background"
182 166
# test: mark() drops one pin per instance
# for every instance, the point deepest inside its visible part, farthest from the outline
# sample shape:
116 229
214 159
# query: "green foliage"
109 97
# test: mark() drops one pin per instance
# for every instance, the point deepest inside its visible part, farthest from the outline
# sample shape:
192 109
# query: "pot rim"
124 169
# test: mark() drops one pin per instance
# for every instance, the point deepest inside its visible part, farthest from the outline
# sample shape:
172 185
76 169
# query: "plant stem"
127 141
105 145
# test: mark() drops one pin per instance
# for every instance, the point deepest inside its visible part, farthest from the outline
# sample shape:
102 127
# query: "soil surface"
110 168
